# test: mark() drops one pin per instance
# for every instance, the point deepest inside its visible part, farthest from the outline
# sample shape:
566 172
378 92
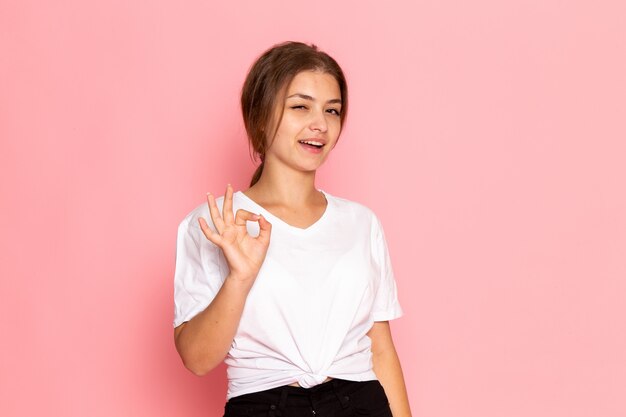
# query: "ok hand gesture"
244 254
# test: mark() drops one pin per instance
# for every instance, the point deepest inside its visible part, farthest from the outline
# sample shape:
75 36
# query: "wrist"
242 281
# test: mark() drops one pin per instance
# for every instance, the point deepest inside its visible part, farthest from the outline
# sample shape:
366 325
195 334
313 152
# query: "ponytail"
257 173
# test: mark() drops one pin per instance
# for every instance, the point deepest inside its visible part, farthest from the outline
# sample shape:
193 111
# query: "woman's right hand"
244 254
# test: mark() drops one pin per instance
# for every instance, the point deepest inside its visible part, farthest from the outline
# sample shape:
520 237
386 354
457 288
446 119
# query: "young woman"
292 286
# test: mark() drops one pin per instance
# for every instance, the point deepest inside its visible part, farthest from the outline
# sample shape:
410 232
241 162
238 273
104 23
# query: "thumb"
265 229
242 216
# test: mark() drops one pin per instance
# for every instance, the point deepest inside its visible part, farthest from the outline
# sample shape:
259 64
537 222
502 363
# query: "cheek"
287 125
335 126
284 135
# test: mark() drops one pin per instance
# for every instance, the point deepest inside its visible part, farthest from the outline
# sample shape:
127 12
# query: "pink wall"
489 136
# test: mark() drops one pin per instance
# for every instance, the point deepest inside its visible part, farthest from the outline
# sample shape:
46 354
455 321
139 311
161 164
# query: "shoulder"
190 223
359 211
192 217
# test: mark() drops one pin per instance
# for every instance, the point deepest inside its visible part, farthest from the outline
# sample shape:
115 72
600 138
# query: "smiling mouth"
312 143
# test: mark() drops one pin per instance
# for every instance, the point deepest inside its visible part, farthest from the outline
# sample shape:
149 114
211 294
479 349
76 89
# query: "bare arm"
387 368
204 341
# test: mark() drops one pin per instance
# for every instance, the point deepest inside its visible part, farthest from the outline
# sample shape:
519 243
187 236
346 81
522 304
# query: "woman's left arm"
387 368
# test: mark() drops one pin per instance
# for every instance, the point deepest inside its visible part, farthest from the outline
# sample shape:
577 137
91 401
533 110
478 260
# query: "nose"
318 122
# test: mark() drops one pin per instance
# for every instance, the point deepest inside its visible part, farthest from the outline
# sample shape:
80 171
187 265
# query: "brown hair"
271 72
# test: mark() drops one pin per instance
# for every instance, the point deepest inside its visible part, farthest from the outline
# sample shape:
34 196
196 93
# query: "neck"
284 187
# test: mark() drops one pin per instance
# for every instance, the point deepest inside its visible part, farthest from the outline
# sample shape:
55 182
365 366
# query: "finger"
227 210
208 233
265 229
244 215
215 213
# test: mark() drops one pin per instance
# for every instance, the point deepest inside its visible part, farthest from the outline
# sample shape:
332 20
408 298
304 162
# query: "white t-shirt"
317 294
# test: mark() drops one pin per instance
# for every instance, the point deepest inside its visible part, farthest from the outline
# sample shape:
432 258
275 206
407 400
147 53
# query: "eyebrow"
304 96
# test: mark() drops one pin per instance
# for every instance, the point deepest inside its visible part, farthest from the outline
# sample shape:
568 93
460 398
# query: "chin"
309 165
310 168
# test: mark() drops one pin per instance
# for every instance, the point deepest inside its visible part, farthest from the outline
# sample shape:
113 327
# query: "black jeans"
334 398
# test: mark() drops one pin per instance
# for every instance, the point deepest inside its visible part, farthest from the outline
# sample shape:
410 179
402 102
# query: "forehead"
319 85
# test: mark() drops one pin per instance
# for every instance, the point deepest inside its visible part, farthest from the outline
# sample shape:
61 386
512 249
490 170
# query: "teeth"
312 142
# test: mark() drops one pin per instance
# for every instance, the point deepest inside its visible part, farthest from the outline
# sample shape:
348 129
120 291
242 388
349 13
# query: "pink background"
489 136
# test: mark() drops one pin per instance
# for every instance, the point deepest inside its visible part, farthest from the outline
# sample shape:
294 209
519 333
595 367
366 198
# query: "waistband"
276 399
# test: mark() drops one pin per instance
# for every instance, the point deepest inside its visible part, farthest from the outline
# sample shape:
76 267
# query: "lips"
314 146
316 143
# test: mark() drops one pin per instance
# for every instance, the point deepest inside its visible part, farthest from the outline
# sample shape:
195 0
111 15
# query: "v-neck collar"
275 220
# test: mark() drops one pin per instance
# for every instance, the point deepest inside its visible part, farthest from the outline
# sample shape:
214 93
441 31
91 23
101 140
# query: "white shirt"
316 296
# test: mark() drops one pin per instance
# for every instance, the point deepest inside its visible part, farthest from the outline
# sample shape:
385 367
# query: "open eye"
334 111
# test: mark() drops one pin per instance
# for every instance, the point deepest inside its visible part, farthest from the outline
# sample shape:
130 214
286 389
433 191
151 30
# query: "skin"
286 188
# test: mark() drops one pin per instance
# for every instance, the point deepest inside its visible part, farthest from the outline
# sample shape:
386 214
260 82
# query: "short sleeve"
197 277
386 305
